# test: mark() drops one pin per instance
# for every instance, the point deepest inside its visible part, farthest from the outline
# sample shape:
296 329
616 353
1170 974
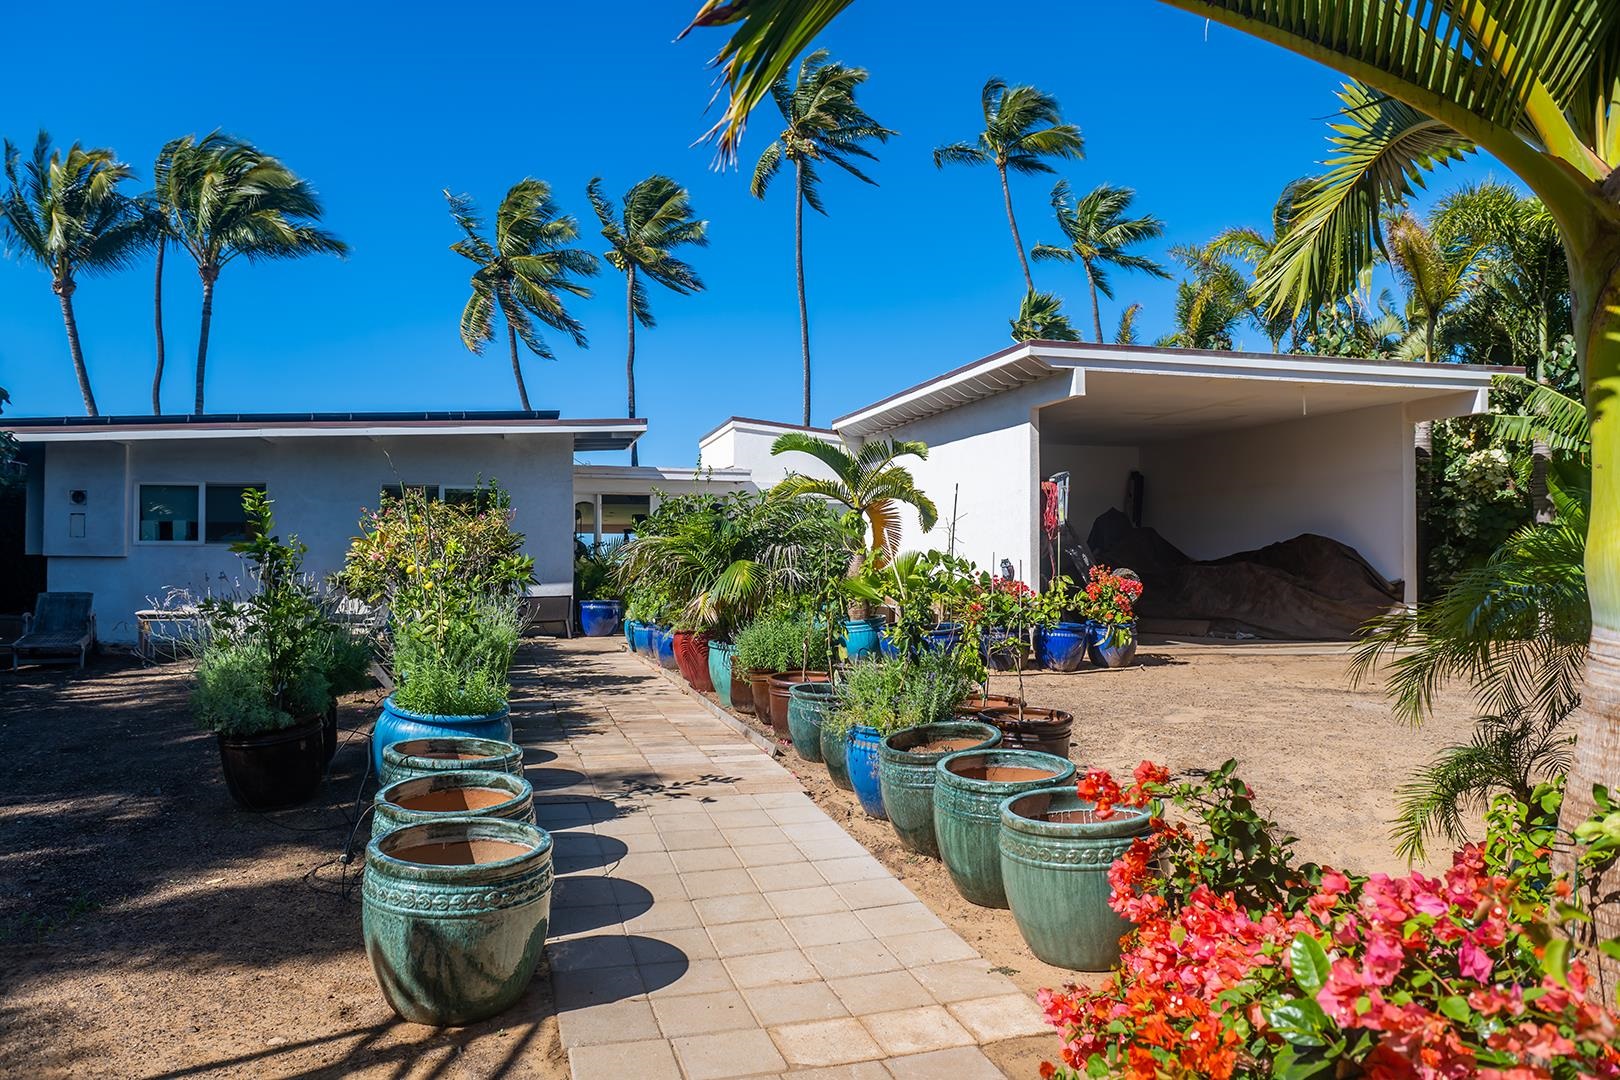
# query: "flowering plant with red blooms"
1464 975
1111 596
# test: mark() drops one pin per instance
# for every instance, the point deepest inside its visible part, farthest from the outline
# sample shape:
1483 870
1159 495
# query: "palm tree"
161 206
1435 278
1255 247
656 219
229 200
1022 126
1098 233
1041 318
1210 304
1528 82
823 124
522 272
65 212
866 483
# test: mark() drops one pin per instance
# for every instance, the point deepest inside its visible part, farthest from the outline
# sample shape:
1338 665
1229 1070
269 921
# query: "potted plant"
261 676
1060 643
1110 609
600 606
1025 727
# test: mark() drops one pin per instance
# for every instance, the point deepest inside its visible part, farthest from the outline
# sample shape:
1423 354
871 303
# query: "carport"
1219 453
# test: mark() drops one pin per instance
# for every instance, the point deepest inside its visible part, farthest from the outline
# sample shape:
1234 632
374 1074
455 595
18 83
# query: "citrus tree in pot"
261 674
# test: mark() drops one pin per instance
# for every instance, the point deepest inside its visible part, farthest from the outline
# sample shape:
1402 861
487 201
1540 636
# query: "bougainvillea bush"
1110 597
1243 963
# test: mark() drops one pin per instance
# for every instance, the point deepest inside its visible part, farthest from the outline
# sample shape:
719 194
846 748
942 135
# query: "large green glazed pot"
455 915
1054 864
835 755
969 788
720 655
463 793
906 775
427 757
807 708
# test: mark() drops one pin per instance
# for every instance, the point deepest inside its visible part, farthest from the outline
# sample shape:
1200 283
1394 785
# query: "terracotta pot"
969 708
780 684
1046 730
692 658
759 688
742 692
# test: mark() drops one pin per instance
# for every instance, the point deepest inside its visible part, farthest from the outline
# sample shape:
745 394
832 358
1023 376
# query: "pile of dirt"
1310 588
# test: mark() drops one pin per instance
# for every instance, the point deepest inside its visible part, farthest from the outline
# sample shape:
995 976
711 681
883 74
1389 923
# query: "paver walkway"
710 921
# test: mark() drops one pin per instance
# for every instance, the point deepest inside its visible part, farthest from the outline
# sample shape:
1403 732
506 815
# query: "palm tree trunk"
1096 312
1541 504
210 274
630 355
1018 241
1595 280
157 325
517 368
798 267
64 293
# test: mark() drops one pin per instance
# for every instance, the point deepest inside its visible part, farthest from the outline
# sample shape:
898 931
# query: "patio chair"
61 631
549 604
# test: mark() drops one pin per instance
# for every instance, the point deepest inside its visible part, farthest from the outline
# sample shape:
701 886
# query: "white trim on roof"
323 429
655 473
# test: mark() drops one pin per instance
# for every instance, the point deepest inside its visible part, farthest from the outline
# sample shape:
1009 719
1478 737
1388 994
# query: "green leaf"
1457 1008
1310 963
1555 960
1299 1021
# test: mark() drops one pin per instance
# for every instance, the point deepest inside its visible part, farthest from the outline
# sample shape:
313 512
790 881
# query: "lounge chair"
549 604
62 630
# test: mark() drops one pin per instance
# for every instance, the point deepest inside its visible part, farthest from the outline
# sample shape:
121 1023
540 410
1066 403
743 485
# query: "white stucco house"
1217 451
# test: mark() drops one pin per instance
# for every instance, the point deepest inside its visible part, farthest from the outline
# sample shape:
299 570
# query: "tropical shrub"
593 573
782 642
1241 964
1110 597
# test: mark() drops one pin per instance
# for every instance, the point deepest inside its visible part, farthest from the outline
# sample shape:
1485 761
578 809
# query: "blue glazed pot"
396 724
720 655
864 744
630 628
807 707
887 647
454 916
1063 647
1000 651
599 618
944 637
863 637
663 642
1111 646
430 757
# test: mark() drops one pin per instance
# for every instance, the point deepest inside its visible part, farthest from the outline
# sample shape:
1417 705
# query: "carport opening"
1251 509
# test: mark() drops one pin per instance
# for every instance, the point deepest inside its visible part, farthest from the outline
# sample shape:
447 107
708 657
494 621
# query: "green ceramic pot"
807 707
1054 865
427 757
835 755
906 775
463 793
969 788
720 655
454 916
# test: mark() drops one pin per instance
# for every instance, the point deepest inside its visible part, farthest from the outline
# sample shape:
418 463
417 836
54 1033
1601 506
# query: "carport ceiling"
1131 408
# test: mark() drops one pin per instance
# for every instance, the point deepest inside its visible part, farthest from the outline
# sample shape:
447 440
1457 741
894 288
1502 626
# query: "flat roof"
774 425
1021 364
589 434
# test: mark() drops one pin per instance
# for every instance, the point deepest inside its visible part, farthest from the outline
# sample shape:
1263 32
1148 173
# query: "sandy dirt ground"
148 928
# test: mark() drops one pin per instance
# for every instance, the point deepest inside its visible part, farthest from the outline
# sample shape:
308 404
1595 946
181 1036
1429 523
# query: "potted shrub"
600 606
1026 727
1110 609
261 675
773 645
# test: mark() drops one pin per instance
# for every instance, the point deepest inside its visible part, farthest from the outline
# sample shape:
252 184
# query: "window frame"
202 487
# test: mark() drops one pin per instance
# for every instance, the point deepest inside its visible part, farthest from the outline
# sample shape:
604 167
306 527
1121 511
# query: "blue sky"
383 106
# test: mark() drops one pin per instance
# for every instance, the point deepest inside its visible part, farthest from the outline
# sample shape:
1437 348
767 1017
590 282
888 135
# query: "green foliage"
893 694
866 483
1098 235
460 668
1040 318
781 642
823 124
346 657
230 693
593 573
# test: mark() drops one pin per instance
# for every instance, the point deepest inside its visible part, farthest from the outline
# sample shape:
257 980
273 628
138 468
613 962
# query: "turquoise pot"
454 916
864 637
420 800
906 775
397 724
969 788
429 757
807 707
862 760
720 656
1054 865
835 755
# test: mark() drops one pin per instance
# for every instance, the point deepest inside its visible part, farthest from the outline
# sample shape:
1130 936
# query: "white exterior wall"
317 485
746 445
1346 475
987 455
1097 476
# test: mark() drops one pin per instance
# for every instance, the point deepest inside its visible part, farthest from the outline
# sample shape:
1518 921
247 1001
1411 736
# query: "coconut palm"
228 200
1255 247
1210 304
823 124
162 215
1022 127
65 212
1041 318
1436 278
866 483
522 273
655 219
1098 233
